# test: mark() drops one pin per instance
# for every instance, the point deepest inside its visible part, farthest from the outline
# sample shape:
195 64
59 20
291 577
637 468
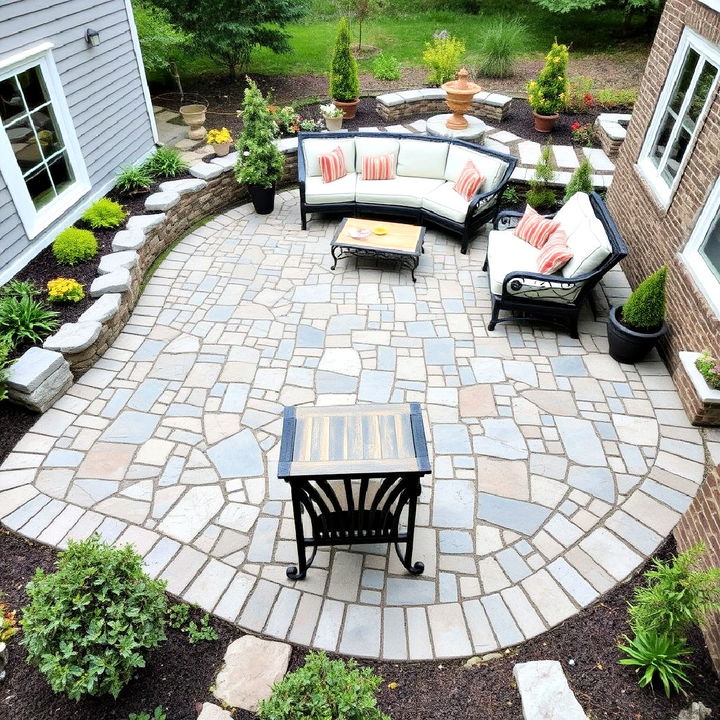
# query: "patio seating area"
555 470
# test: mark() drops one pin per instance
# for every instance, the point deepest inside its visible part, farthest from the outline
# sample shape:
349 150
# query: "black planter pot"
628 346
262 198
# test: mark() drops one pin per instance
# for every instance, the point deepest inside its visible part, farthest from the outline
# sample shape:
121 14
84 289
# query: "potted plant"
344 80
220 140
547 94
259 164
635 327
333 116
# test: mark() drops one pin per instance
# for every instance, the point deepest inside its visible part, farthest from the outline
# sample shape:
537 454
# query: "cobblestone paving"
556 470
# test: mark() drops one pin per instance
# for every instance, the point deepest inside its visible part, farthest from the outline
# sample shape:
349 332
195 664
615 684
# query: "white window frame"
707 51
712 4
36 220
704 277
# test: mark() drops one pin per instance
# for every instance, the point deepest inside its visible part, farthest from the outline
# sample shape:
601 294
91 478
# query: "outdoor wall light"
92 37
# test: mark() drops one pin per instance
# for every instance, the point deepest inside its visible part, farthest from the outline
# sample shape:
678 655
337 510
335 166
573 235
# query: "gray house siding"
103 90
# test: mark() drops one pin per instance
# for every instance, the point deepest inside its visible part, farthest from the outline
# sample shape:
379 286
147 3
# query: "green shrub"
677 595
20 288
709 368
4 373
158 714
443 56
500 46
657 656
547 95
644 310
133 178
581 180
259 161
178 617
611 98
165 162
511 195
23 319
580 96
90 625
73 245
344 79
324 689
541 195
104 213
386 67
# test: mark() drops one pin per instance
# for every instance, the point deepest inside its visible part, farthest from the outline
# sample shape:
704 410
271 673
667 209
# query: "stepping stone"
545 692
252 667
213 712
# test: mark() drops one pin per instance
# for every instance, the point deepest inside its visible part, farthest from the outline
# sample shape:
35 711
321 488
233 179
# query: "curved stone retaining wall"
393 107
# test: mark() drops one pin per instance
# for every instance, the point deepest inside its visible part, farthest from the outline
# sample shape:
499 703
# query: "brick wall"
702 523
655 235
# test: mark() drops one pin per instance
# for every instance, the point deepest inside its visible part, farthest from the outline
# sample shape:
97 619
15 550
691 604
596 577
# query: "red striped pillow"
534 228
332 165
469 181
554 254
378 167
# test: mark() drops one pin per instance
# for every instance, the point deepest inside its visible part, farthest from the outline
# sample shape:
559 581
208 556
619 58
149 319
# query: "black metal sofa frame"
466 229
561 313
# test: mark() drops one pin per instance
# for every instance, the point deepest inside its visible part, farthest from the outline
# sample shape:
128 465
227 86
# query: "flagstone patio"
556 470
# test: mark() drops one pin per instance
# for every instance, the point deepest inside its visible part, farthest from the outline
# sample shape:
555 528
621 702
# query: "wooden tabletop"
339 441
400 237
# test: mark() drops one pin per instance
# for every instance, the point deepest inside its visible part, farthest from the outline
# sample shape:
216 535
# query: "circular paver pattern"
556 471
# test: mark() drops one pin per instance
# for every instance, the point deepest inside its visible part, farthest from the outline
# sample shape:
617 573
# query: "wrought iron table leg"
332 252
413 267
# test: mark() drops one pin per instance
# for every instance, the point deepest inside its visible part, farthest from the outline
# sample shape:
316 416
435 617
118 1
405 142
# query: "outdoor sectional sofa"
426 169
511 264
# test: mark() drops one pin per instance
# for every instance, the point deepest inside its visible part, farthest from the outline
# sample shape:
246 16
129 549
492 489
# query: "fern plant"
644 310
344 79
581 180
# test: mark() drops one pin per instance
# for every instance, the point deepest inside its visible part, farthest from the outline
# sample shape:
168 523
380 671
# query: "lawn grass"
403 35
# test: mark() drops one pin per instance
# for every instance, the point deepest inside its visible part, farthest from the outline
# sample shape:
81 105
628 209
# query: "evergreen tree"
581 180
644 310
344 80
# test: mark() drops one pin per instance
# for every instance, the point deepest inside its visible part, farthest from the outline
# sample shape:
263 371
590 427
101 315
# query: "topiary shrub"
327 689
581 180
73 245
259 162
344 79
644 310
547 95
89 625
104 213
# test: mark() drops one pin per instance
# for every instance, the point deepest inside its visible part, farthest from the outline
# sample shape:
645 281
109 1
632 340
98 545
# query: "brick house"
666 200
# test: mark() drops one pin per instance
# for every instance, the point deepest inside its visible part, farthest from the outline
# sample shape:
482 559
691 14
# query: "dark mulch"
179 675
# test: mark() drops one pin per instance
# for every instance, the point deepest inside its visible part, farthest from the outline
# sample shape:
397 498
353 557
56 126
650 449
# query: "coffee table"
402 243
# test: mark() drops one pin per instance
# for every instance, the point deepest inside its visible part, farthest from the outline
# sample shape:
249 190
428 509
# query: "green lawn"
404 35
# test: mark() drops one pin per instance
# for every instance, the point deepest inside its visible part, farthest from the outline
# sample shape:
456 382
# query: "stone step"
545 692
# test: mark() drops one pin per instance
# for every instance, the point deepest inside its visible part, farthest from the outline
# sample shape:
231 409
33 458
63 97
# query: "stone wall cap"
227 163
32 367
410 95
162 201
184 186
390 99
432 93
117 281
205 170
128 240
73 337
102 309
497 99
143 223
117 260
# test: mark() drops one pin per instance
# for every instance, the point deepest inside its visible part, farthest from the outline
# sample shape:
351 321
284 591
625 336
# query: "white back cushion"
491 168
374 146
313 148
590 246
422 159
575 213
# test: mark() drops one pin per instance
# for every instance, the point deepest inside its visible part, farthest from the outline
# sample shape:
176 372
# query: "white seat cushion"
508 253
314 147
341 190
422 158
406 191
448 203
491 168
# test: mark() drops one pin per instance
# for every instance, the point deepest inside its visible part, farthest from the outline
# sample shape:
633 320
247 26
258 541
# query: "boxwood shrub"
90 625
74 245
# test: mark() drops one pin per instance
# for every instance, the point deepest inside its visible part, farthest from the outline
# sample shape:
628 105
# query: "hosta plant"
104 213
657 657
74 245
90 625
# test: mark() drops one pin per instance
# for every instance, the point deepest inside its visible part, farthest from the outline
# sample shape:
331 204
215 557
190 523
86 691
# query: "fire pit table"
353 471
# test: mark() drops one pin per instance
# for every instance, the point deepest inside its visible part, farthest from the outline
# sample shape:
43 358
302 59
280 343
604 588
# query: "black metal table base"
409 261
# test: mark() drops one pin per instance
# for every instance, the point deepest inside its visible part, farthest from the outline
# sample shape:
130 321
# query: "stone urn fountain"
459 99
194 117
460 93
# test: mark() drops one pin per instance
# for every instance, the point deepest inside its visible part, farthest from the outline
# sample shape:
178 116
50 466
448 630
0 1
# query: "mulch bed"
178 675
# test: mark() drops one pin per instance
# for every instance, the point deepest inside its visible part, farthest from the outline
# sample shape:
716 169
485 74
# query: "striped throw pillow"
378 167
332 165
554 254
469 181
533 228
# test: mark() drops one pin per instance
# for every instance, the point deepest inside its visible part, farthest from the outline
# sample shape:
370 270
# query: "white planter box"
708 395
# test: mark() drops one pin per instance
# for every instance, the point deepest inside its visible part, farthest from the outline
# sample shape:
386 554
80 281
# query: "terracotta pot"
545 123
333 124
221 149
194 117
349 108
